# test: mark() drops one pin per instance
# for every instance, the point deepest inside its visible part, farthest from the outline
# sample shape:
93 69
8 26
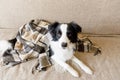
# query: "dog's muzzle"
64 44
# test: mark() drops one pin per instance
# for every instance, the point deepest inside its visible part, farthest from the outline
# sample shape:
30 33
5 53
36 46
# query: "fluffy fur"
62 45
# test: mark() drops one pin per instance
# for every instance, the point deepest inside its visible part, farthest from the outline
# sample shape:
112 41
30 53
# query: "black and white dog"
62 45
62 38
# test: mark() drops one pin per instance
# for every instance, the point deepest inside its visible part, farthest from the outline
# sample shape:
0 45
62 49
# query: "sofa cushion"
95 16
105 66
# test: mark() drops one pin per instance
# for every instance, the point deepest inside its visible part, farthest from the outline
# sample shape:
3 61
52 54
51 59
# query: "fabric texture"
32 42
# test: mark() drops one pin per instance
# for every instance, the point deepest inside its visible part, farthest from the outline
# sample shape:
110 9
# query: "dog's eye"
69 34
59 33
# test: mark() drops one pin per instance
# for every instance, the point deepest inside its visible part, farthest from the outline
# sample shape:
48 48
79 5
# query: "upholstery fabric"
105 66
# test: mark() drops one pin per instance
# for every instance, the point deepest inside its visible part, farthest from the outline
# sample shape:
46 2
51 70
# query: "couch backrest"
94 16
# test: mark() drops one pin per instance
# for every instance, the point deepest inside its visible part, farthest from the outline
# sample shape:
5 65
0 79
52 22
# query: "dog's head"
64 33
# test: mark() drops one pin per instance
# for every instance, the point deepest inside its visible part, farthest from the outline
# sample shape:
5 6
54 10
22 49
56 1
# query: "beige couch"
94 16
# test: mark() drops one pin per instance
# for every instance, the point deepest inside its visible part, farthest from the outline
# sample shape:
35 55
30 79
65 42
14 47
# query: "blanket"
32 42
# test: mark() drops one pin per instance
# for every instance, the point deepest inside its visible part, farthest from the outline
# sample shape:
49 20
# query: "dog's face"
64 33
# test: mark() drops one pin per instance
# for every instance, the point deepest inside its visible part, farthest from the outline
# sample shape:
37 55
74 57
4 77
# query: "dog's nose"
64 44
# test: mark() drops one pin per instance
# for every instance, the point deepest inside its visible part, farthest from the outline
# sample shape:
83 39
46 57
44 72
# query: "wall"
94 16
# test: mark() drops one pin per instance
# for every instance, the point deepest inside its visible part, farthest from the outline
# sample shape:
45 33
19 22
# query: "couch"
99 19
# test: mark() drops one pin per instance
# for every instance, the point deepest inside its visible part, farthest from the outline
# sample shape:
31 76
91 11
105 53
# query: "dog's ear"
52 27
76 27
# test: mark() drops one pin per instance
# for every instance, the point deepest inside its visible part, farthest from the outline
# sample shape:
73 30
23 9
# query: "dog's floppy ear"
76 27
52 27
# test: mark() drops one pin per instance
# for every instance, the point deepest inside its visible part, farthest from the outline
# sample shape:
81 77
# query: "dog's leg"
82 65
67 67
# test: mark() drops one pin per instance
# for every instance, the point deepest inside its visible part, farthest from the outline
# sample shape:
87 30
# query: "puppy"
62 45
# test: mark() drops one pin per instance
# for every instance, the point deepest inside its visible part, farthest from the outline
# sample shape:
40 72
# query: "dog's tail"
7 44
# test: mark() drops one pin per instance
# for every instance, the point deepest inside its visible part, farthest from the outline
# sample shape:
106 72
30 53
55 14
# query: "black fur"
7 53
76 27
7 57
72 31
12 41
54 30
50 52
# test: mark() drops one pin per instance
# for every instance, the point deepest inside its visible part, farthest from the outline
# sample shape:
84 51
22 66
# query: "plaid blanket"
32 42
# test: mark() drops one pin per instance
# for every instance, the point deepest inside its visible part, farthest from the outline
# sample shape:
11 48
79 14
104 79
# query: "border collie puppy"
62 45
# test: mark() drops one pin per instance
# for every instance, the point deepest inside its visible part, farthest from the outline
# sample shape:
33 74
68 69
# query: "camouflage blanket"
32 42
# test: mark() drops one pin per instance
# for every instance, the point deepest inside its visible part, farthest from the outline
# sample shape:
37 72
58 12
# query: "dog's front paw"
89 71
75 74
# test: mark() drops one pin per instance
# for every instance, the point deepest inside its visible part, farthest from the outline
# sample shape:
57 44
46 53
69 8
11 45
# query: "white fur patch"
60 53
4 45
64 37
